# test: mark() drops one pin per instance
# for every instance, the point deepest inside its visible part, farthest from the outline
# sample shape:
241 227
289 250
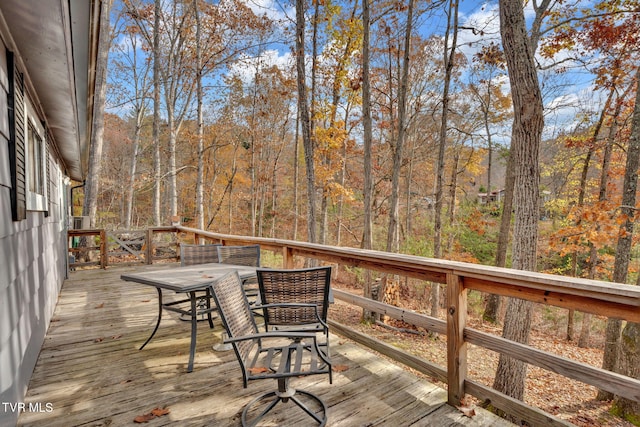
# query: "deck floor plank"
91 373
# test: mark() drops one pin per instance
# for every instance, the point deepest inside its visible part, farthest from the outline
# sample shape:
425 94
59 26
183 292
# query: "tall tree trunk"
449 55
92 183
485 113
393 244
451 214
199 97
132 171
157 173
305 122
494 302
252 161
408 189
173 169
141 91
614 326
296 179
629 353
367 236
526 134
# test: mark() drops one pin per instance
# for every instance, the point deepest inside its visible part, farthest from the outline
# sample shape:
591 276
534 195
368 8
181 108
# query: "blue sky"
565 93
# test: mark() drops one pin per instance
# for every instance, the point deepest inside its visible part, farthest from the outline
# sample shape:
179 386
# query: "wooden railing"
97 247
602 298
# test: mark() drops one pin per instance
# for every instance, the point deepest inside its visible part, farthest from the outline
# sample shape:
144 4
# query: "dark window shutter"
16 140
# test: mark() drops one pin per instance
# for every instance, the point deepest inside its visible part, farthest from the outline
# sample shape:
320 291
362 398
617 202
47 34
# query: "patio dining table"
185 280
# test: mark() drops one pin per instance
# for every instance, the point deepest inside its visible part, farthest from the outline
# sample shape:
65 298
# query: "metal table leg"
209 296
194 326
159 318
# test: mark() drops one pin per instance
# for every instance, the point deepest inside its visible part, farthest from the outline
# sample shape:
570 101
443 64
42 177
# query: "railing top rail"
414 265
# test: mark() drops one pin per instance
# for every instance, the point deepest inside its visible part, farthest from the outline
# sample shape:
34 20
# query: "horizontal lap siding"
32 248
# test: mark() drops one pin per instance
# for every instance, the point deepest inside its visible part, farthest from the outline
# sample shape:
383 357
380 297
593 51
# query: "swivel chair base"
320 415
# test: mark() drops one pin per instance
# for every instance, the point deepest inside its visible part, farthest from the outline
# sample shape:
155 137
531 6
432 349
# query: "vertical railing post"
103 249
287 257
456 345
149 252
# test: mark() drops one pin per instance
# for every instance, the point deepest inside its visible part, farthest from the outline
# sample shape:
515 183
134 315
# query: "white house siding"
32 269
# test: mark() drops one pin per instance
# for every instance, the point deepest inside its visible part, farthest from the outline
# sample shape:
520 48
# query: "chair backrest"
235 313
197 254
240 255
306 286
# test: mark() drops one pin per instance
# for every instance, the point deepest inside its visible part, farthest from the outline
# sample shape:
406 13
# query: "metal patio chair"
198 254
309 286
248 255
192 254
279 355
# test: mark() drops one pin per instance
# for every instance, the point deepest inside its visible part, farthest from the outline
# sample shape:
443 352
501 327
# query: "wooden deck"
90 371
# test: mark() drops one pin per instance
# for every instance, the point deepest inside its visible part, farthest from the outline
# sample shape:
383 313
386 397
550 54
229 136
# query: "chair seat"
292 359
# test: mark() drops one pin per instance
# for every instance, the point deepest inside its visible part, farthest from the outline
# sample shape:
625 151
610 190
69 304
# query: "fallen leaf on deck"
140 419
258 370
99 306
339 368
467 411
158 412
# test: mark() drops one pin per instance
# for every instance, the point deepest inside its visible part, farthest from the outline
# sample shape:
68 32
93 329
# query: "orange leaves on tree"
577 141
595 225
477 222
491 54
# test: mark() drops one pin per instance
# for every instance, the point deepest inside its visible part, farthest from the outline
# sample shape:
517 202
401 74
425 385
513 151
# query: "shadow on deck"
90 371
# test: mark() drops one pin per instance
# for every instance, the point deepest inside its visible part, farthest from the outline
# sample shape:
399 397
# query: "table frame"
189 280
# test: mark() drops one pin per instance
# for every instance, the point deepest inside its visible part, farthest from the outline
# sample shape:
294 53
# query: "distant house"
494 196
47 57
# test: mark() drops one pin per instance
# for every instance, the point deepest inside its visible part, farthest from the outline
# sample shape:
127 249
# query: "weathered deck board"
91 372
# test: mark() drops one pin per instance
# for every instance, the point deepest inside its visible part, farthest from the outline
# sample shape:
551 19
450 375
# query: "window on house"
36 163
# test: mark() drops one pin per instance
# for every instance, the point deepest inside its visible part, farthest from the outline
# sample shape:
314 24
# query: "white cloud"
478 28
245 68
271 9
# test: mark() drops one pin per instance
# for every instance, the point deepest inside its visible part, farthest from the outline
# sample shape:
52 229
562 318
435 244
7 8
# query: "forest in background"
390 128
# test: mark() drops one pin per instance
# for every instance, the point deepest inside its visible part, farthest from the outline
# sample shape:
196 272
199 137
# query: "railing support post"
104 259
456 345
287 257
149 253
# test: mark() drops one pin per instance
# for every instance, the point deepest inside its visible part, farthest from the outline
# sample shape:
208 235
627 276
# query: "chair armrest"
271 334
286 304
